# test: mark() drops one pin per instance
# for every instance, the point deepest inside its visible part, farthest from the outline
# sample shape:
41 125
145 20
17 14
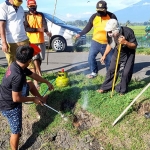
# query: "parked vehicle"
63 35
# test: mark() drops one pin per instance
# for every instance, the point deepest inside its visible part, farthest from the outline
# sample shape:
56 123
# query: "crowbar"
130 104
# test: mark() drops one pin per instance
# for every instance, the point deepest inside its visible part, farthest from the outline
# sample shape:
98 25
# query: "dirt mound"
142 108
60 139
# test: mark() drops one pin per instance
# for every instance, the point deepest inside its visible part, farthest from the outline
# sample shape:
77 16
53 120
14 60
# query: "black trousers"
127 59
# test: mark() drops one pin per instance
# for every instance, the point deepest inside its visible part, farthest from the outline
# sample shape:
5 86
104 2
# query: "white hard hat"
111 25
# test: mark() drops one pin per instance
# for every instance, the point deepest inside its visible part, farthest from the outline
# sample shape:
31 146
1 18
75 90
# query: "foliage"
77 23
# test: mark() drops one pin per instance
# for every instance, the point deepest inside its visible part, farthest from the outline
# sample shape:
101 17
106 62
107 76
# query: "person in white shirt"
12 29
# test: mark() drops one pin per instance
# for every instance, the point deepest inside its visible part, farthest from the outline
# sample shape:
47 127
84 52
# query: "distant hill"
138 12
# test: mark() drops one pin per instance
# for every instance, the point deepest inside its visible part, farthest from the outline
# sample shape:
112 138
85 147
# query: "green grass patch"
138 30
131 132
143 50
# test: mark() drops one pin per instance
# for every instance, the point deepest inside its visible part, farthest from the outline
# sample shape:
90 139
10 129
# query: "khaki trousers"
11 54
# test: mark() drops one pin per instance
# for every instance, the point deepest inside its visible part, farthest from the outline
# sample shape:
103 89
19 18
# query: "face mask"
32 9
102 13
113 33
110 34
17 3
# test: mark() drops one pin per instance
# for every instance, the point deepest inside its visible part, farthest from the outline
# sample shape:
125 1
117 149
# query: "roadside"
76 62
85 129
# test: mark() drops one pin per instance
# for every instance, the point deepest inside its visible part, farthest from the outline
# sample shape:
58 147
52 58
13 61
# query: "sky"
68 10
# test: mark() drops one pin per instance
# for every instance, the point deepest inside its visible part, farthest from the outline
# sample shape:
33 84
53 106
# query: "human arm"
88 27
27 26
41 80
18 98
44 22
107 50
19 87
126 43
3 36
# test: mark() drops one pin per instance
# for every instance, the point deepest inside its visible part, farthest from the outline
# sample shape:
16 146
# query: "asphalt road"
76 62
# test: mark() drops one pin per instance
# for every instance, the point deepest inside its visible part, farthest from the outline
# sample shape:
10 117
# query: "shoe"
92 75
101 91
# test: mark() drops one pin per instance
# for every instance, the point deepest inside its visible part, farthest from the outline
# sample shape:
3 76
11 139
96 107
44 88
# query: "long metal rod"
130 104
48 105
52 108
116 68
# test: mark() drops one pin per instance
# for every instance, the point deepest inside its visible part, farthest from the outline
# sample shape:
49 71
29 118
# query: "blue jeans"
25 90
94 50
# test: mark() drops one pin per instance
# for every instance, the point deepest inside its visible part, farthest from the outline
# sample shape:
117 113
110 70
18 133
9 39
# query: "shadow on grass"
140 66
63 100
138 84
47 116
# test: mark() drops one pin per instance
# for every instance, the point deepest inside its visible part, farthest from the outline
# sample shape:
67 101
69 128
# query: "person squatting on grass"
99 40
125 36
14 90
35 26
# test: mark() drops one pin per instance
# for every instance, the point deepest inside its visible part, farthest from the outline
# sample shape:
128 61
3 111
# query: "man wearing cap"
99 39
35 26
125 36
14 90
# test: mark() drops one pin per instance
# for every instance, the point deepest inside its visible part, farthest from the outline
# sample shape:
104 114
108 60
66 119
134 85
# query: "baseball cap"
101 6
31 3
112 25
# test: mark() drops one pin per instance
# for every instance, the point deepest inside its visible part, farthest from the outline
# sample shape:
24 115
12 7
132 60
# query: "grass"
143 50
131 132
138 30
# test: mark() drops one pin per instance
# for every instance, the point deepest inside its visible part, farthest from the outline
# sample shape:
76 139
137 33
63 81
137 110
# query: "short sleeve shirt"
129 35
14 18
13 80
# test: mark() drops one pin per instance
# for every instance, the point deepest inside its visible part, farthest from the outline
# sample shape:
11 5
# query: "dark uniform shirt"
128 33
98 23
13 80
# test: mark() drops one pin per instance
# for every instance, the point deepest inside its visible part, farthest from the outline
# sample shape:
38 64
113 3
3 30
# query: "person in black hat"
125 36
14 90
99 41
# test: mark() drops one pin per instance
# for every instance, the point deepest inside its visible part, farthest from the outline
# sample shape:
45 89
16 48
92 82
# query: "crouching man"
14 90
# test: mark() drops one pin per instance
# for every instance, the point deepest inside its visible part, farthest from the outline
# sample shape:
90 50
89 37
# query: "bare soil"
60 139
